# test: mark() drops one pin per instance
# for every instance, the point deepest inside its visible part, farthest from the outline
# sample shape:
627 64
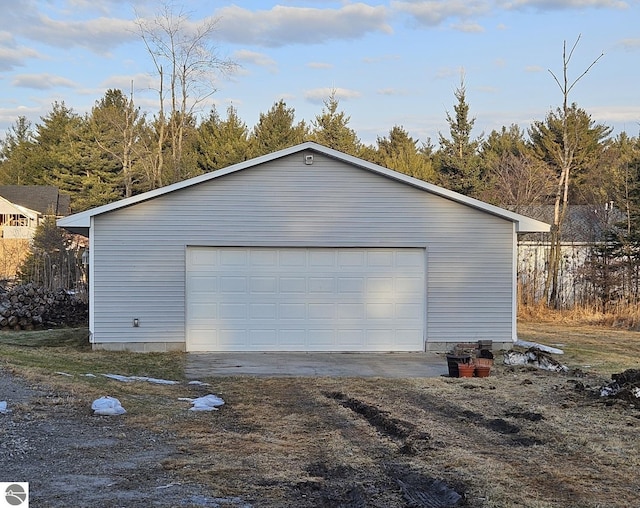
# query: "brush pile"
29 307
624 386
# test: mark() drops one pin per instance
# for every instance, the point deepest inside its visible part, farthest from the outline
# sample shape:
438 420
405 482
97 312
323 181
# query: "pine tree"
16 155
115 124
570 143
276 130
399 152
222 143
458 158
330 129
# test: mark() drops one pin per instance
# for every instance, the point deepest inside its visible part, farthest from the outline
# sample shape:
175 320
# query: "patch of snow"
130 379
535 358
107 406
206 403
541 347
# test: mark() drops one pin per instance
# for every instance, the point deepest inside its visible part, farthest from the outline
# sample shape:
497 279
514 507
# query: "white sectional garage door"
305 299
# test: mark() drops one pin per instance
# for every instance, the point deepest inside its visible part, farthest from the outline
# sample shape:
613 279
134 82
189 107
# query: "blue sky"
395 62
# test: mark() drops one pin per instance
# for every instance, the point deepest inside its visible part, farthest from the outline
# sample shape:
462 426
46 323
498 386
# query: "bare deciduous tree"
187 63
564 156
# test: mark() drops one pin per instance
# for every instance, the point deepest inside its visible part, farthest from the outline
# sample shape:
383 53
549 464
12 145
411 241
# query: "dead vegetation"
521 437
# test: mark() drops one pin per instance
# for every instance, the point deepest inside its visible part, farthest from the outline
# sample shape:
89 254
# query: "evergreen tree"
613 268
59 153
588 142
16 155
276 130
499 143
115 124
512 177
222 143
330 129
458 158
399 152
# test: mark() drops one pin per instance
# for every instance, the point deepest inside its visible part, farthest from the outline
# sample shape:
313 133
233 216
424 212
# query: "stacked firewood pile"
28 307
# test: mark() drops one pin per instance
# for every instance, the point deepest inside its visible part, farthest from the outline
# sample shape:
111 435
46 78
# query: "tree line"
112 153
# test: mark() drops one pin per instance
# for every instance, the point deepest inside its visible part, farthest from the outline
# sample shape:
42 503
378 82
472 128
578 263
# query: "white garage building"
305 249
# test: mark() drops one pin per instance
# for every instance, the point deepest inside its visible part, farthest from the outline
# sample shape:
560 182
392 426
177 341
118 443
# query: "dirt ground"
74 459
522 437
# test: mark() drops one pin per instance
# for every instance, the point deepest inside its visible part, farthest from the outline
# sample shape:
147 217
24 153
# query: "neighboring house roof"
7 207
41 198
81 222
583 223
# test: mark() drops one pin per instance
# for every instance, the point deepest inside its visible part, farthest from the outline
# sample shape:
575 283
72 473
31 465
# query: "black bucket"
453 361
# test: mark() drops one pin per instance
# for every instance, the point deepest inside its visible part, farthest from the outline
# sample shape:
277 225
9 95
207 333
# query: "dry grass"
521 437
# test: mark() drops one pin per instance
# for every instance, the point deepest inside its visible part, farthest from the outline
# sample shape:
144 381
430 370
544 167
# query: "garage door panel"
321 339
322 285
233 284
264 257
235 311
351 285
288 299
351 337
207 310
292 258
380 259
263 311
409 285
322 311
412 311
263 285
353 311
291 311
410 258
233 257
351 258
294 285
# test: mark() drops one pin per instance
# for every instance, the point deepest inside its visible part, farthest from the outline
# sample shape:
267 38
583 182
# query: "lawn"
521 437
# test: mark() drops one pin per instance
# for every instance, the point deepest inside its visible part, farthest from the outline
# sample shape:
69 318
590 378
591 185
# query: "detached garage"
305 249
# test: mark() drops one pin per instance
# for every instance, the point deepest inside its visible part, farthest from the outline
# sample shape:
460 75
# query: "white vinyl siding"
139 251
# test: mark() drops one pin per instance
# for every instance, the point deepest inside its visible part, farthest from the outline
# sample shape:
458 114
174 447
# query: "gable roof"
40 198
81 222
7 206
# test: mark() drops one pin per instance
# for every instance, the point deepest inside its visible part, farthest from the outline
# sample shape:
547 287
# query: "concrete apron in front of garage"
386 365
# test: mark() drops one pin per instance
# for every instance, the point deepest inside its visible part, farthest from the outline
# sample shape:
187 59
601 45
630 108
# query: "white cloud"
392 92
12 56
630 44
467 27
447 72
8 116
319 95
254 58
283 25
141 82
98 35
44 81
319 65
564 4
629 115
434 12
381 59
